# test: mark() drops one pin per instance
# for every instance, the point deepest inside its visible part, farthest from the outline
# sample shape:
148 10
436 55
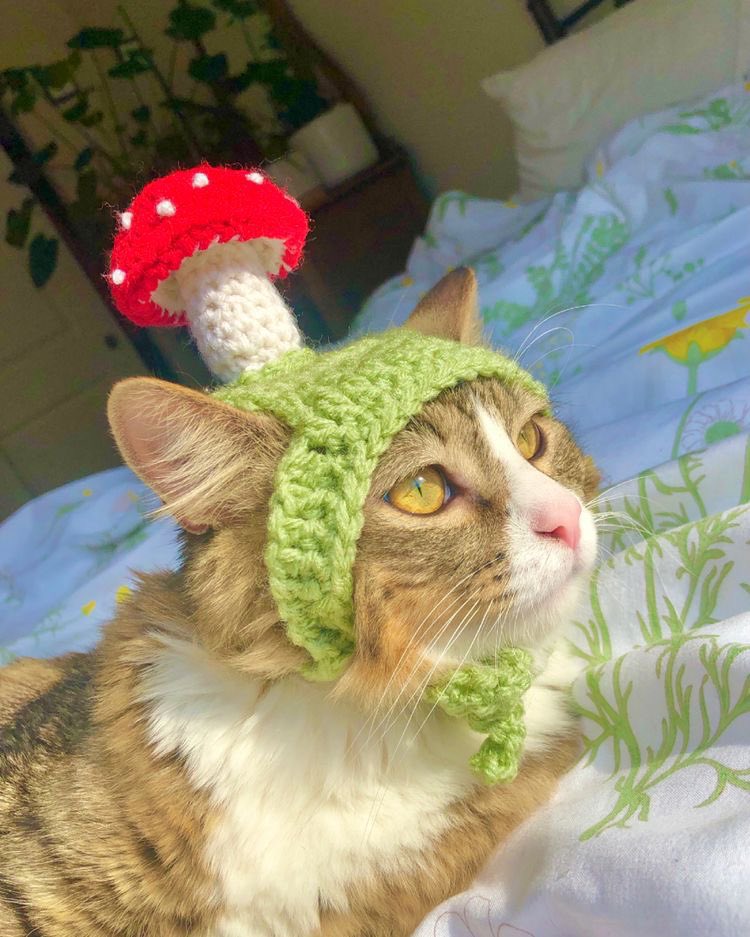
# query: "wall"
419 63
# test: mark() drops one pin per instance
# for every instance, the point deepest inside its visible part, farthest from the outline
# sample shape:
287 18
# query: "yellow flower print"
710 335
406 281
122 592
697 343
87 492
600 167
510 203
89 607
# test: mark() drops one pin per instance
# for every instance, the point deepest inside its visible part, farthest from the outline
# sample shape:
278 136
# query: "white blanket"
631 299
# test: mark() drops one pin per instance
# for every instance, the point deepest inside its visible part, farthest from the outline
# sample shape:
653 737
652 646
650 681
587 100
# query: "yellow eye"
424 493
530 441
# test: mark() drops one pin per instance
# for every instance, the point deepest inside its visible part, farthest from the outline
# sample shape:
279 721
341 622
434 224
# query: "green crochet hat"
344 407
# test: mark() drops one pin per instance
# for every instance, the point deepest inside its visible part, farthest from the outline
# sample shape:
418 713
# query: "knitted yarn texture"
489 695
344 407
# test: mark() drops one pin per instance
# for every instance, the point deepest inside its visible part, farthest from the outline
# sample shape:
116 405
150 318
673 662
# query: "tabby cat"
183 779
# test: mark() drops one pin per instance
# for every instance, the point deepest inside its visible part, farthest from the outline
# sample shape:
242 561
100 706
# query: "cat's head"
475 531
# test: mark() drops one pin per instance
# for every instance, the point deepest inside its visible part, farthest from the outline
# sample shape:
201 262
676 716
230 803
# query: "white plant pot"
294 173
337 144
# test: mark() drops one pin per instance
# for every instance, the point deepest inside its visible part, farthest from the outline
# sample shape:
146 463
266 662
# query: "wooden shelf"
361 234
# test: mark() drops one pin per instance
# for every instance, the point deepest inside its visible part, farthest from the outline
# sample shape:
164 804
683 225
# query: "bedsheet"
631 299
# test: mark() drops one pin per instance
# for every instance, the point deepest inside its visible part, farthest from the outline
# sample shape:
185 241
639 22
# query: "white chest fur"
307 804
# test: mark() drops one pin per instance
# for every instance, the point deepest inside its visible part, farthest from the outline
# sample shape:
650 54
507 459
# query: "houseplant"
111 113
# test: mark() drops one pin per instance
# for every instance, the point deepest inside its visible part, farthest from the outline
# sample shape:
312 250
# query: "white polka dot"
200 180
126 219
255 177
165 208
118 277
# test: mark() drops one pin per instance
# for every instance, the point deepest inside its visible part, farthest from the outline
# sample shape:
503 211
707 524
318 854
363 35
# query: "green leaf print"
448 199
567 280
679 310
727 171
713 702
717 115
650 279
687 557
671 200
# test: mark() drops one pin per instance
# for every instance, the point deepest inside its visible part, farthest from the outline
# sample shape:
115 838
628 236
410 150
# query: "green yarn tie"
489 695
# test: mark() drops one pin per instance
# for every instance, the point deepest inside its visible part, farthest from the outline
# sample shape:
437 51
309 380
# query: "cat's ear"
209 463
450 309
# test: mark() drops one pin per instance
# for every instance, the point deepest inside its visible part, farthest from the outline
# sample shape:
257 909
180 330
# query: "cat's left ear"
450 309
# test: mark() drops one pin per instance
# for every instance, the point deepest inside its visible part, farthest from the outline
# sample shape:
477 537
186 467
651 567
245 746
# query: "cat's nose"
559 518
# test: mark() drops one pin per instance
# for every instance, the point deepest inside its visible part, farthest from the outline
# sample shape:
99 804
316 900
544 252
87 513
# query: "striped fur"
181 779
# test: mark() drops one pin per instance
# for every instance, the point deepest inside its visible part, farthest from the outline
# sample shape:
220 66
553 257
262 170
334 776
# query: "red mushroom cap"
188 211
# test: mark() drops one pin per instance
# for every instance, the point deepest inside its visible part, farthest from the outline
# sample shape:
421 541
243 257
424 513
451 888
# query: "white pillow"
646 56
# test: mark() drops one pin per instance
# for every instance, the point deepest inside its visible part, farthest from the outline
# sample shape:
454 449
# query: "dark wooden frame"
554 27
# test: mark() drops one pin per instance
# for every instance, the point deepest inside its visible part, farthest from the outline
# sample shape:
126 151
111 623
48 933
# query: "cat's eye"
423 493
530 441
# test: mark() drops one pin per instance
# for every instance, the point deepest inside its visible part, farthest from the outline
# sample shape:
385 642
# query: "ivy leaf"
140 138
24 100
137 62
141 114
91 120
237 9
209 68
671 200
83 159
96 38
17 223
45 154
267 73
76 111
42 259
22 176
15 78
189 21
58 74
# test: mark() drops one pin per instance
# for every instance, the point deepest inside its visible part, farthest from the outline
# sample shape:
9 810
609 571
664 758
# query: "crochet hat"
200 247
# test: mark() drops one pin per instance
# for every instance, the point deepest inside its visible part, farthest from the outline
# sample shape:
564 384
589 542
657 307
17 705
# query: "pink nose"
560 519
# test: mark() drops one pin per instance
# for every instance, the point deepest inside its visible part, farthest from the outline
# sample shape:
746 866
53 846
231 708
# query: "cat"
183 779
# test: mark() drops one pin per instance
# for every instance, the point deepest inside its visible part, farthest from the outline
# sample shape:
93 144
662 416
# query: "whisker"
461 663
417 632
415 667
561 312
552 350
417 690
556 328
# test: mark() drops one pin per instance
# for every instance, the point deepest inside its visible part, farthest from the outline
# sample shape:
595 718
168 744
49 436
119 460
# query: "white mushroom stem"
234 312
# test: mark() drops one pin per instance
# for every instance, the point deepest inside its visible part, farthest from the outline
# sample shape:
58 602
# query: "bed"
629 294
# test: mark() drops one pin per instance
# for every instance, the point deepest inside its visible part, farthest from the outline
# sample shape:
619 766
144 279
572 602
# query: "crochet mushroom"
200 247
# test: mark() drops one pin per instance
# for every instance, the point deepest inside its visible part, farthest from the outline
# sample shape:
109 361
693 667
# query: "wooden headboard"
554 26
